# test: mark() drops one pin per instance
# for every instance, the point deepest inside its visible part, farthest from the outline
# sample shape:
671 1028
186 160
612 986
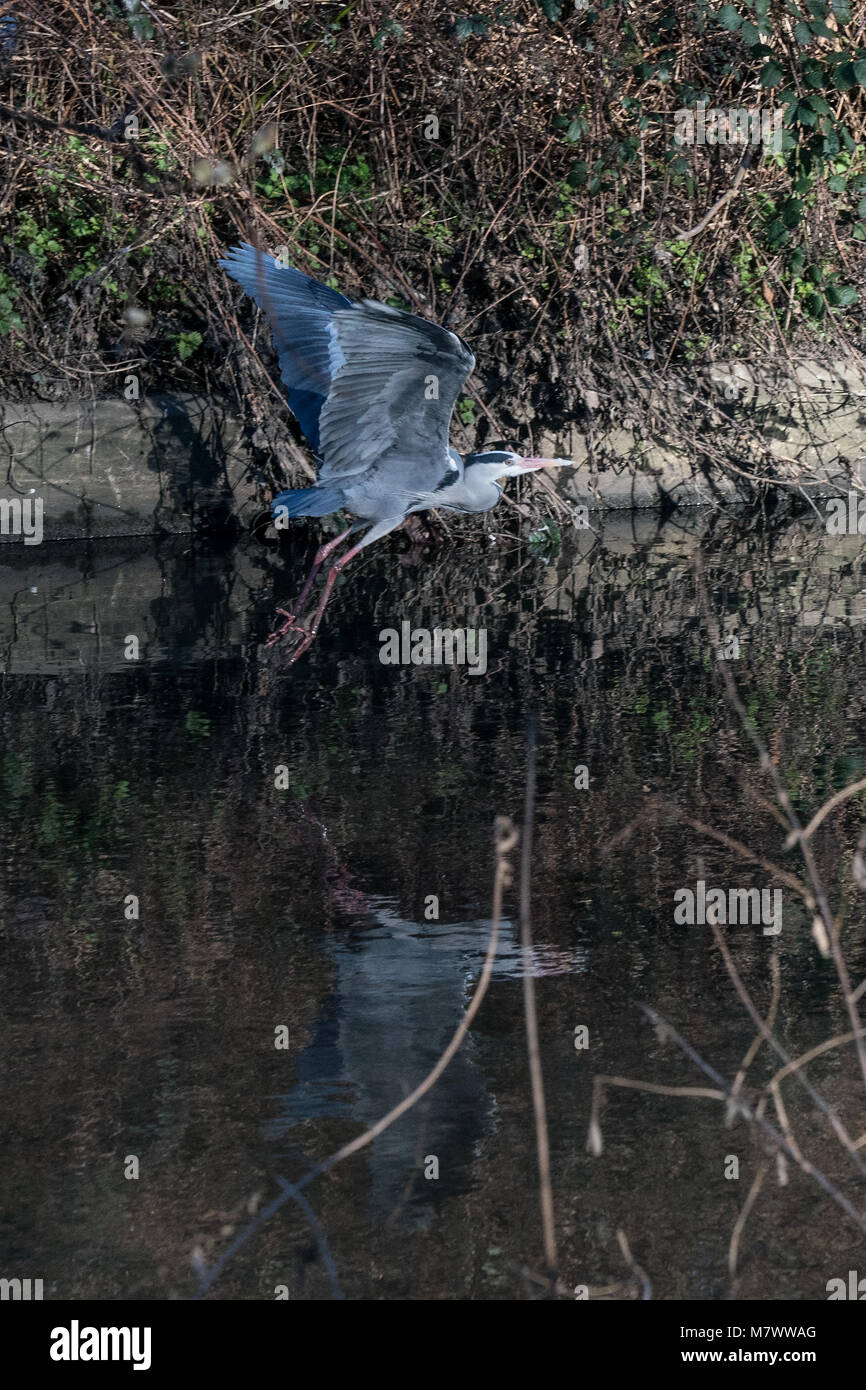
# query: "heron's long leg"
375 533
321 556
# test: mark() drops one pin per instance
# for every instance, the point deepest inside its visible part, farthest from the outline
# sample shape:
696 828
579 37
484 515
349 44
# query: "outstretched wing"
364 380
299 311
396 378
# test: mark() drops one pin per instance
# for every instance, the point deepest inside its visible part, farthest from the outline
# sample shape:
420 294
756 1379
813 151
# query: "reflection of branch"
745 853
781 1145
327 1258
530 1014
790 1067
784 1143
622 1242
768 1024
829 1113
834 801
651 811
797 831
739 1224
505 839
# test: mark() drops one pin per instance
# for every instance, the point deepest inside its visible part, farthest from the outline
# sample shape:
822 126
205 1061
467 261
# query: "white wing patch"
336 356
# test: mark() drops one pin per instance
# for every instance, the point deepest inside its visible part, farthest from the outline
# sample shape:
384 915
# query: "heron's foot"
309 638
290 625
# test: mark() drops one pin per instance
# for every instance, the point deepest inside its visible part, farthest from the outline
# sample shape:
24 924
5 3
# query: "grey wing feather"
365 380
300 311
395 379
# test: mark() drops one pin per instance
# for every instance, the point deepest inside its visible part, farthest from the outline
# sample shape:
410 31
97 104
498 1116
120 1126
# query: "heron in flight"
373 389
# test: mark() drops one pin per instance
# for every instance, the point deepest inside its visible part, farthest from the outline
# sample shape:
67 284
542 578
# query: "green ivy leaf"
860 71
831 141
844 78
729 18
777 233
467 25
771 75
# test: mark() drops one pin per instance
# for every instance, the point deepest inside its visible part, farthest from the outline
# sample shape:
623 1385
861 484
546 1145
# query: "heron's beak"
532 465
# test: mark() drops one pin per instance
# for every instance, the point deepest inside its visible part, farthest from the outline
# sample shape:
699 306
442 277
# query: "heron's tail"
307 501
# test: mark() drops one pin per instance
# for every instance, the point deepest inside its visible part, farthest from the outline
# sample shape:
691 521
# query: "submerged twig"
646 1286
530 1014
817 1099
666 1030
797 830
740 1223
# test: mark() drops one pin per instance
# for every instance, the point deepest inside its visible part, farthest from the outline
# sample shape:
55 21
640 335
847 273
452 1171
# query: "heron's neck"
477 491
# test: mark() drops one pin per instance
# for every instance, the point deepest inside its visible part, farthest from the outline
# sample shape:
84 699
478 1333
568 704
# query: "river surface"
245 906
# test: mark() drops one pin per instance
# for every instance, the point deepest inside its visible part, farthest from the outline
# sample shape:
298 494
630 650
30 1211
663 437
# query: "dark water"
309 908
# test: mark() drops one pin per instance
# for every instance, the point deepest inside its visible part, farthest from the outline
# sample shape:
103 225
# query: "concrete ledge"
115 468
809 415
179 464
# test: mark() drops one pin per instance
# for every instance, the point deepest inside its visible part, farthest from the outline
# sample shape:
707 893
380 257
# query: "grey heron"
373 389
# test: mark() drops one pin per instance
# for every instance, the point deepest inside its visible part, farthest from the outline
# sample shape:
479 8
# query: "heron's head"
504 463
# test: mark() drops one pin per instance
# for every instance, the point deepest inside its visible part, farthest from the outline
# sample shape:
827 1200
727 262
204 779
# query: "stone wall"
180 464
